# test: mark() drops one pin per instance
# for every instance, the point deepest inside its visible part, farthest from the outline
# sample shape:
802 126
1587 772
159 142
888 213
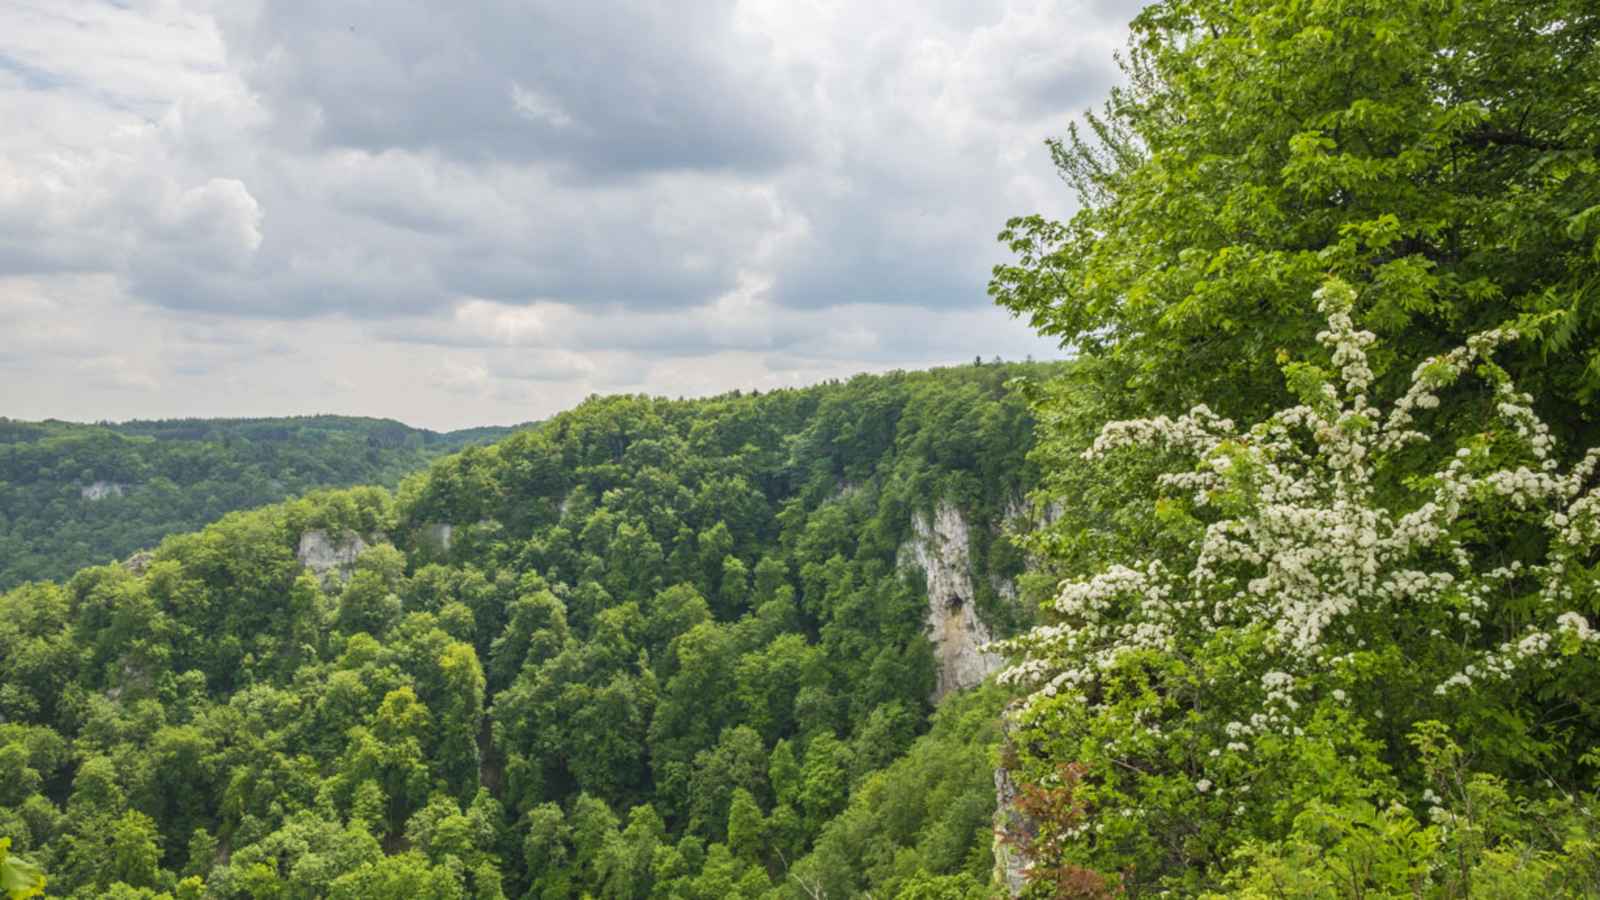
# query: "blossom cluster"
1309 550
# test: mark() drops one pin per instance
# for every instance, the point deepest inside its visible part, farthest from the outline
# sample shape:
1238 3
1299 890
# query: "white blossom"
1313 551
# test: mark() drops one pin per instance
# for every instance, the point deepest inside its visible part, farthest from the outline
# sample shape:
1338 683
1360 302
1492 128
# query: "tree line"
74 495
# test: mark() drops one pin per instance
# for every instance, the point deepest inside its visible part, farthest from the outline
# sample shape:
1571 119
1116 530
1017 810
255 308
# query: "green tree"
127 851
547 852
746 826
737 762
1258 643
459 718
824 779
291 735
1440 156
401 877
370 602
626 865
783 773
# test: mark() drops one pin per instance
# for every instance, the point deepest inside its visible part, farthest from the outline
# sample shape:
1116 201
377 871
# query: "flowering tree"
1338 580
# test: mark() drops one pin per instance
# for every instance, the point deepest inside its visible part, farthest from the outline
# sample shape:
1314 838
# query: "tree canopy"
650 649
76 495
1440 156
1320 615
1296 563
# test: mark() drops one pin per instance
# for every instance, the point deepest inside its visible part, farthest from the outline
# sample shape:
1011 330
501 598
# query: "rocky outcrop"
438 537
134 677
939 547
1014 830
139 562
101 490
330 556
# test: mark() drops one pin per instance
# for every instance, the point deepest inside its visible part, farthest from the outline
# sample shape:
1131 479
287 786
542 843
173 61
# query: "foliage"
1321 594
673 649
1263 642
922 825
75 495
659 648
1438 155
18 878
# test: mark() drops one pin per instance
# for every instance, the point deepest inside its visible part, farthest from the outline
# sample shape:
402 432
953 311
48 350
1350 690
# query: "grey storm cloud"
591 195
618 87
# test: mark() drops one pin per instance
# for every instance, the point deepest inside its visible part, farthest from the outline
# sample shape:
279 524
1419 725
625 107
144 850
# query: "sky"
482 211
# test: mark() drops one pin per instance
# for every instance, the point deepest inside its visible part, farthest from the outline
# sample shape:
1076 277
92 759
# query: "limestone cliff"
139 562
437 537
1014 830
939 548
101 490
330 556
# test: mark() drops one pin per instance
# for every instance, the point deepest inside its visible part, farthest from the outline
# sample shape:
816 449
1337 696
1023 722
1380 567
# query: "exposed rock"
1016 510
100 490
939 547
133 677
1004 588
139 562
438 536
846 490
1022 515
1013 830
329 556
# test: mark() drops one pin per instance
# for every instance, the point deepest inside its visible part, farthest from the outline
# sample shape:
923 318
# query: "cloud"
290 202
602 89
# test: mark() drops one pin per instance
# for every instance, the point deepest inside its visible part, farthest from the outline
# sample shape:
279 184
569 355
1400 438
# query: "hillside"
74 495
1286 586
648 649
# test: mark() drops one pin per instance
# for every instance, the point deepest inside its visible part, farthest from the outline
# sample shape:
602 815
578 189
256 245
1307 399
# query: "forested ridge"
657 648
73 495
1295 564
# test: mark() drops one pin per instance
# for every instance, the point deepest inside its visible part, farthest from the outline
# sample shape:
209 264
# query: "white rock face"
139 562
438 536
939 548
100 490
1014 831
328 555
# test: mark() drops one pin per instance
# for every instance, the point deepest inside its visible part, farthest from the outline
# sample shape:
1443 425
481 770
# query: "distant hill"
73 495
721 648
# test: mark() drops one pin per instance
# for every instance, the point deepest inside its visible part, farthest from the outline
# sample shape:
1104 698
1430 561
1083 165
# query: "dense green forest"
663 648
1296 564
76 495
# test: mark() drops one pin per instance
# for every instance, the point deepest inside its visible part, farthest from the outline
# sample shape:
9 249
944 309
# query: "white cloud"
486 210
535 105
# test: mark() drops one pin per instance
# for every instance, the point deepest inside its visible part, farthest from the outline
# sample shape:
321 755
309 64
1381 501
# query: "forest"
1291 567
75 495
664 648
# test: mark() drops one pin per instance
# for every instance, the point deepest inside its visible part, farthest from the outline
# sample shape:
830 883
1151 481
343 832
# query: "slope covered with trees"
1325 592
75 495
655 650
1319 582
